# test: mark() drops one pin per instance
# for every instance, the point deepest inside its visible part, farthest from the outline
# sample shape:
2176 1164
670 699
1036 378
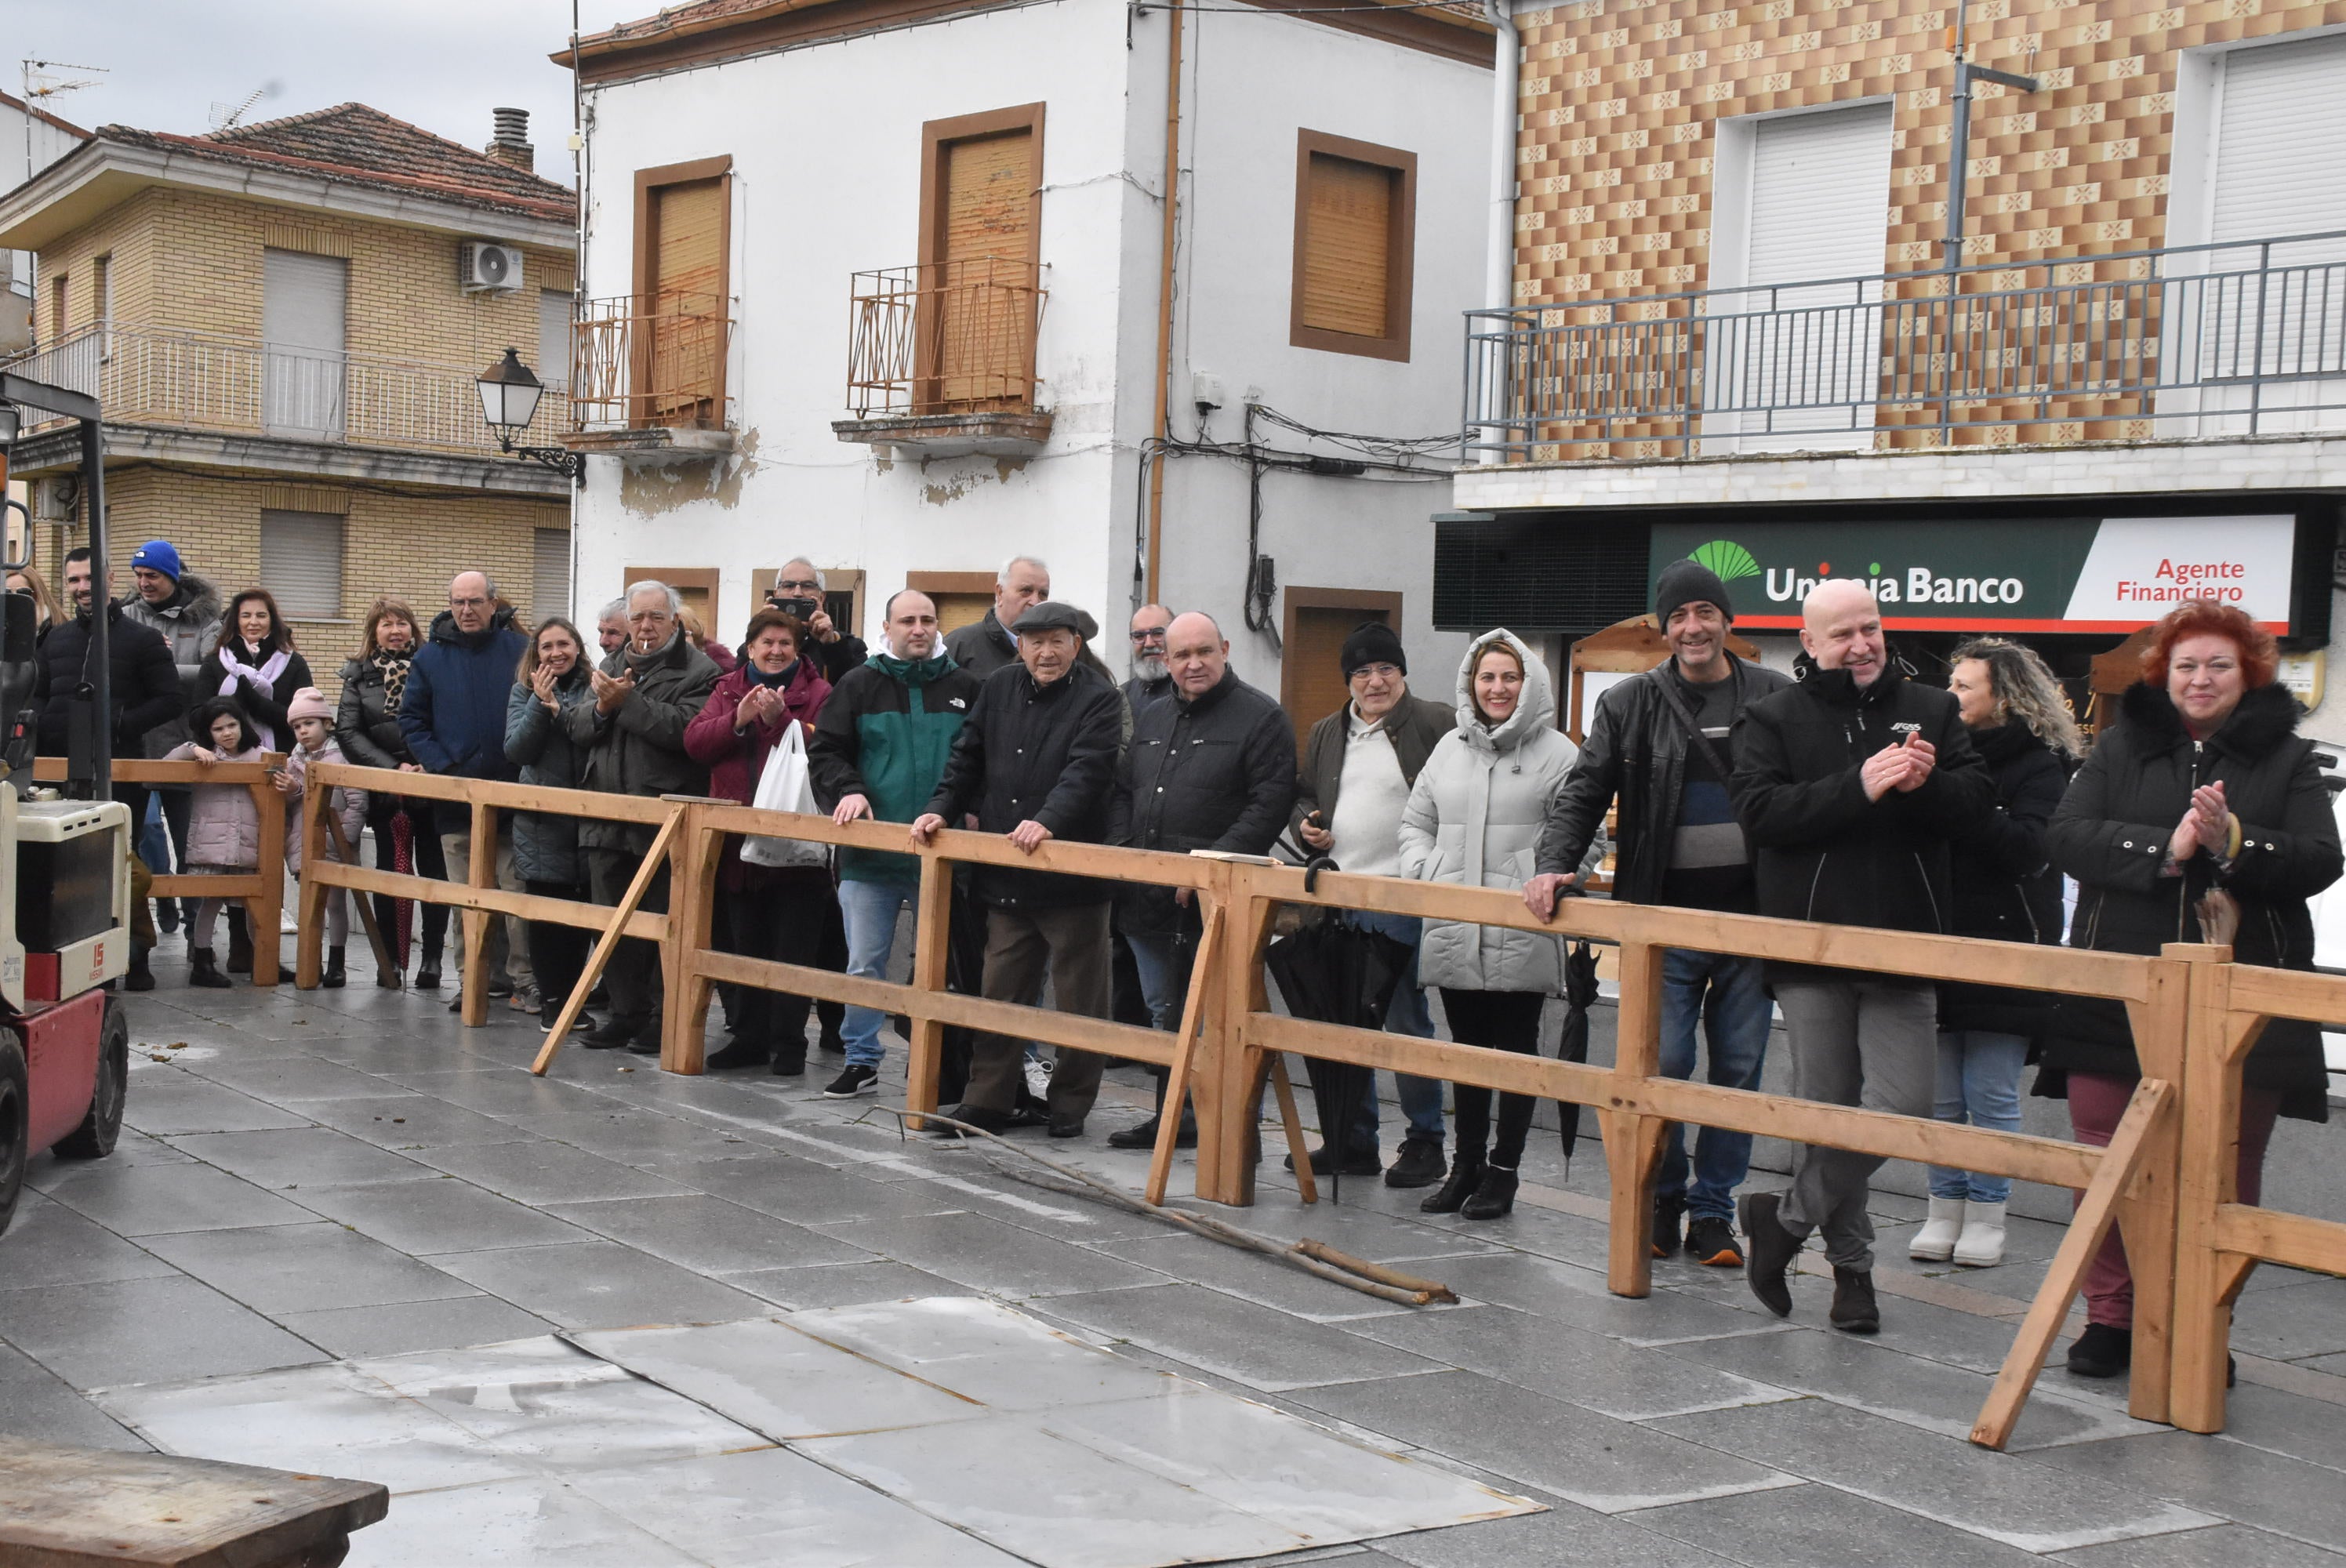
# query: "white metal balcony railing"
196 380
2209 340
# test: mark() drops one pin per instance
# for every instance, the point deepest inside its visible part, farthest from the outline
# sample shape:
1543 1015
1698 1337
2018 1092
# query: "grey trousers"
508 945
1021 946
1863 1041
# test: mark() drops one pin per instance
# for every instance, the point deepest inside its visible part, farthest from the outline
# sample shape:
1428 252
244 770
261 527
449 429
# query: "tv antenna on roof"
41 82
223 117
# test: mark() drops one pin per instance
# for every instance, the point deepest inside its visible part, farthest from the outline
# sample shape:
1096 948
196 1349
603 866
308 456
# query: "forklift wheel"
16 1123
93 1139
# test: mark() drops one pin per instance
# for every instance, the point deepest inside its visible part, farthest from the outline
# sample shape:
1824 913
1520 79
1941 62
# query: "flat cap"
1054 615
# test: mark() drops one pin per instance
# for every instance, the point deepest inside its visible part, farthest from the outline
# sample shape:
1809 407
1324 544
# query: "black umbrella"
1572 1038
1333 972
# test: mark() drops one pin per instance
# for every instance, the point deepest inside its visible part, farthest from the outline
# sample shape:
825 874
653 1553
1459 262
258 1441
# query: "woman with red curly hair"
2203 785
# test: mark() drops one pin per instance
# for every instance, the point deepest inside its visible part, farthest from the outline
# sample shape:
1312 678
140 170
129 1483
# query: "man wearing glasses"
1151 677
1359 766
797 591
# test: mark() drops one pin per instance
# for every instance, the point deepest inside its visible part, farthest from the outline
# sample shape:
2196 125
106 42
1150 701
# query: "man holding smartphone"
797 591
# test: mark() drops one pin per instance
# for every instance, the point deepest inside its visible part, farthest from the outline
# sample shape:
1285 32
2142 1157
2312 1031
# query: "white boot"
1982 1245
1935 1242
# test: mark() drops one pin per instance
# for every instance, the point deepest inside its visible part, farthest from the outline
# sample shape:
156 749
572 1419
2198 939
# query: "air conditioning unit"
483 268
58 500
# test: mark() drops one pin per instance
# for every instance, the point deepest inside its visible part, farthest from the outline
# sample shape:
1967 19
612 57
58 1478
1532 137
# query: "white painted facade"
29 143
825 141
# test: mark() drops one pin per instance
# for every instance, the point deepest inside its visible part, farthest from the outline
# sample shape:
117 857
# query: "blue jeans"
1979 1082
1421 1098
1726 995
1163 960
869 910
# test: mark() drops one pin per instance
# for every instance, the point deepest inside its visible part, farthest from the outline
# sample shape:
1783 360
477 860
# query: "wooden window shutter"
989 197
689 219
549 573
975 313
301 562
1348 248
682 243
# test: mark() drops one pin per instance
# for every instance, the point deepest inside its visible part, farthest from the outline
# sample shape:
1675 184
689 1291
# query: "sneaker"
858 1079
1854 1310
527 999
2103 1351
1773 1250
1038 1078
1669 1218
1711 1240
501 986
1419 1164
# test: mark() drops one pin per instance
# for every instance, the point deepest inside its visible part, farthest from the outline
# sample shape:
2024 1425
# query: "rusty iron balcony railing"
643 362
2203 341
948 337
198 381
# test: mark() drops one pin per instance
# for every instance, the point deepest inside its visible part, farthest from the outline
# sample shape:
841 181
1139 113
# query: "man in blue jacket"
453 714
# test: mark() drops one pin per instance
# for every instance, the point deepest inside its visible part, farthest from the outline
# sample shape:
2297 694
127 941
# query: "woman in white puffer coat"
1473 817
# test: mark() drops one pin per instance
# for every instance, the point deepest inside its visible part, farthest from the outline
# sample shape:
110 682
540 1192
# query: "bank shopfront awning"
2025 569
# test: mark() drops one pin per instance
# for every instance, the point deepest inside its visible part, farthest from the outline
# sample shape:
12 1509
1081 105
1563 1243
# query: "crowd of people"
1852 794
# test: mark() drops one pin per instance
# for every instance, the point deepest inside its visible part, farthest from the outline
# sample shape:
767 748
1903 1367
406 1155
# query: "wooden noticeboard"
1622 649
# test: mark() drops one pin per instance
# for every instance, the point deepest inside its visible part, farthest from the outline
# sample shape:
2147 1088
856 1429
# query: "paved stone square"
337 1175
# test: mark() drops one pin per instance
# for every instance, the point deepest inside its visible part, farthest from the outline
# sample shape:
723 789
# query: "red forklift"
65 863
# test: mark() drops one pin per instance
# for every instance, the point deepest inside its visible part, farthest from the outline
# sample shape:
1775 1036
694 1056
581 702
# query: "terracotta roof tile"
363 146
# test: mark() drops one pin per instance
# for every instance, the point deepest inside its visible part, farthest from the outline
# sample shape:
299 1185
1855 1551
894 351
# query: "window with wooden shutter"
1355 228
301 562
683 289
549 573
981 177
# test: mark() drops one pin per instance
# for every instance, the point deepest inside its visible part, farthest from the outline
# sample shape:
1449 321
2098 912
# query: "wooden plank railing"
262 889
2165 1179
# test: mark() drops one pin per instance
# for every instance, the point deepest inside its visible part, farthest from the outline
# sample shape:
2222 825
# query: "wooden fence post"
263 915
482 873
1229 1074
1633 1143
2209 1176
309 942
691 918
2147 1213
932 946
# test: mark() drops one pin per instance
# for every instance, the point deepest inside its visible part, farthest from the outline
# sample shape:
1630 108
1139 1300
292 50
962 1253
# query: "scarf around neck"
264 677
393 666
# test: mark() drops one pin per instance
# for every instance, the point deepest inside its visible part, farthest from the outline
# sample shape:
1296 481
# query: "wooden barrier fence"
263 888
2165 1179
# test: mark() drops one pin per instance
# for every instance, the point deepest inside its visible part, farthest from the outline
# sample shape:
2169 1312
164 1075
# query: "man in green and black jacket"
880 746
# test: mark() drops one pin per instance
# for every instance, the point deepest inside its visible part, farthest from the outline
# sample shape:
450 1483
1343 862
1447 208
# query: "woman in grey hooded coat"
1473 817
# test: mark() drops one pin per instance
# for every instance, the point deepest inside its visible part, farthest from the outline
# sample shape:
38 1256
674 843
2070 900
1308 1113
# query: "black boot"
203 969
239 942
2103 1351
1465 1175
336 976
738 1052
140 977
1854 1310
1495 1194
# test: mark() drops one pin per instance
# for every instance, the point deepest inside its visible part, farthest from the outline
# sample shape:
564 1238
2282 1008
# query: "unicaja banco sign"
2038 575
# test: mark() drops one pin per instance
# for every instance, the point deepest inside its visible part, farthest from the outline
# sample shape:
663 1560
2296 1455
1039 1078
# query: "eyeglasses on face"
786 584
1376 672
457 604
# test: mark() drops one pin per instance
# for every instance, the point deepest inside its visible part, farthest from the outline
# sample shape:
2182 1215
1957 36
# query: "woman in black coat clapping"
2204 786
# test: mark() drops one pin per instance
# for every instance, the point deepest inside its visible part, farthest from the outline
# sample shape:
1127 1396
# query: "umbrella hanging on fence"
1572 1038
1333 972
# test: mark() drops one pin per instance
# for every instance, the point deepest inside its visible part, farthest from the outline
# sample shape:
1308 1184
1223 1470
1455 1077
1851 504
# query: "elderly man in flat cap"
1036 760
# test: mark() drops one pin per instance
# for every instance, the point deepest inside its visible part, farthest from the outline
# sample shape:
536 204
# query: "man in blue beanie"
185 610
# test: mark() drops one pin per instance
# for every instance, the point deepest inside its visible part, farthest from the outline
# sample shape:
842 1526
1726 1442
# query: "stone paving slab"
451 1200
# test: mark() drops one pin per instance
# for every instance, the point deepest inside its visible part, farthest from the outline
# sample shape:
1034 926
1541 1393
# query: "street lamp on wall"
509 395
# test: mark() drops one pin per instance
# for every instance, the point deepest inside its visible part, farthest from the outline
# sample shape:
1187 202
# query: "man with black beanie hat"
1661 742
1359 766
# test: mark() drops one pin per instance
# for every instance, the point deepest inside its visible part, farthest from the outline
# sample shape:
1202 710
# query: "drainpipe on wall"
1499 263
1155 523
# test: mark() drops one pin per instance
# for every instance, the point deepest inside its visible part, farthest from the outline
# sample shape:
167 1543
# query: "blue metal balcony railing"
2211 340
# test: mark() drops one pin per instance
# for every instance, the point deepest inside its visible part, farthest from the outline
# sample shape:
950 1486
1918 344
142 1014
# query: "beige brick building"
284 323
1733 320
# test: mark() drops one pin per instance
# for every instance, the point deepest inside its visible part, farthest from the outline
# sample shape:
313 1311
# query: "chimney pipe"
510 144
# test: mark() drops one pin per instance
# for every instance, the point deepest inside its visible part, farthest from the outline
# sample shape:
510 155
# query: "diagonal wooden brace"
608 943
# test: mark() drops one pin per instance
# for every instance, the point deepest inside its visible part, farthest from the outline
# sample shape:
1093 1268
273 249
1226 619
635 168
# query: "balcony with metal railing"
2206 342
649 375
147 376
941 358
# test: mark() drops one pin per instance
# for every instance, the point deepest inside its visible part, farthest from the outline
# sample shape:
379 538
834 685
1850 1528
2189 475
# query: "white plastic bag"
786 786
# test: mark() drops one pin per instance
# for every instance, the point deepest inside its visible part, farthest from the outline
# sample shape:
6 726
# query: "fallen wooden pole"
1311 1257
608 943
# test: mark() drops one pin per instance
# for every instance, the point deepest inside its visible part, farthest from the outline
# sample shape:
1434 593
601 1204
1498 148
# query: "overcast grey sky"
442 64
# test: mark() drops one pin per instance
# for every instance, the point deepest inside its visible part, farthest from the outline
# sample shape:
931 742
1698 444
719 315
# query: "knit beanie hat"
1688 582
1373 642
308 703
158 556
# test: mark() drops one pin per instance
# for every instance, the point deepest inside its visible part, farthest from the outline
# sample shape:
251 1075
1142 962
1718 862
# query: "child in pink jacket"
224 825
313 718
